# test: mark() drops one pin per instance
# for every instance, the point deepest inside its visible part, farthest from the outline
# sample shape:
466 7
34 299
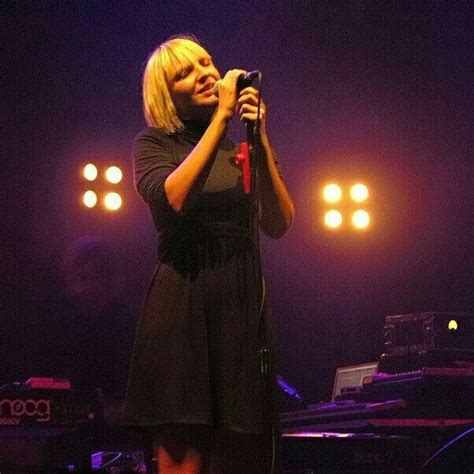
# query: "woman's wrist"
224 116
262 134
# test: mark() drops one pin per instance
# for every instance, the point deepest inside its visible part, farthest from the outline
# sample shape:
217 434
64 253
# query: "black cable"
430 464
252 140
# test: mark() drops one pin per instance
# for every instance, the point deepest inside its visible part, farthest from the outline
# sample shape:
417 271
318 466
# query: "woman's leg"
182 450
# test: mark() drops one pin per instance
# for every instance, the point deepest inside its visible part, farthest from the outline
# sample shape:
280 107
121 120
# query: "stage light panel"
102 180
333 219
89 199
332 193
345 202
90 172
113 201
113 174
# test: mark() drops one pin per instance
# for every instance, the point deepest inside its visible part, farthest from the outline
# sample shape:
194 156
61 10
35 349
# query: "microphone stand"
254 154
252 139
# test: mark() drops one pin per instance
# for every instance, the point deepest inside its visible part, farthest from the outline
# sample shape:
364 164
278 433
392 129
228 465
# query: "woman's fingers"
248 95
248 104
229 81
247 101
227 91
249 112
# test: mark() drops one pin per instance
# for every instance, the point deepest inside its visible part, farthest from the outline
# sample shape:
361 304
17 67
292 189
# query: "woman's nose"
203 72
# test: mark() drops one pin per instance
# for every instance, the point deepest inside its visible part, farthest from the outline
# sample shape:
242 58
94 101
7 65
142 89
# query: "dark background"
378 91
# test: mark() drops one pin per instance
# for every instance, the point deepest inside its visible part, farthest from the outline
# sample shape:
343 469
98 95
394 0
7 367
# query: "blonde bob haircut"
167 59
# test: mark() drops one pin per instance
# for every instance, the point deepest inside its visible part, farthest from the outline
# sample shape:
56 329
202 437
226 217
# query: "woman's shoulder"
153 133
150 140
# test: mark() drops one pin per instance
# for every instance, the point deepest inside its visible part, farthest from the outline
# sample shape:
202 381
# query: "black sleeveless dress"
197 354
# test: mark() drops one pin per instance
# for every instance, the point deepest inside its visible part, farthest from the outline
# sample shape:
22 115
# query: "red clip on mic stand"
243 160
247 158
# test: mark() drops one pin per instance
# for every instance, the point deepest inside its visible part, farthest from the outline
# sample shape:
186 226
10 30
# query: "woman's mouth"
207 89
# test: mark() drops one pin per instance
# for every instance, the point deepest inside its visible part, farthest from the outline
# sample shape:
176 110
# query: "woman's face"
191 87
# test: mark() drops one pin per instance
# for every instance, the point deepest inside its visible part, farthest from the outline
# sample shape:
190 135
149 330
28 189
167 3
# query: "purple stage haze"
377 90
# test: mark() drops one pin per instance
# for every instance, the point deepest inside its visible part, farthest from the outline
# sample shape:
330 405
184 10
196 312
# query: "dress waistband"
205 245
224 229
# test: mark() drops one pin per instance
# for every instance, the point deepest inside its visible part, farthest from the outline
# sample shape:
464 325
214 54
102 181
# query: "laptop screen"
352 375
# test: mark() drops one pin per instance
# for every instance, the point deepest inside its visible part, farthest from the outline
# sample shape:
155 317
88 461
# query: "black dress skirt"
198 349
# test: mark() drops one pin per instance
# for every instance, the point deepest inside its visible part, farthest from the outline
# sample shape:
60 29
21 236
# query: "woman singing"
196 380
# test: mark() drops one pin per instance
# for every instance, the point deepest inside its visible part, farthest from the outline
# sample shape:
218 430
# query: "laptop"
351 376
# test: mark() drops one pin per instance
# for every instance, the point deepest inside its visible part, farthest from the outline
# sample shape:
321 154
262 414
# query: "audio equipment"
429 339
46 408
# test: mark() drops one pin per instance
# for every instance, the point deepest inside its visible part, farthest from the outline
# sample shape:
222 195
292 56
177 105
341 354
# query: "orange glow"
359 192
113 174
89 199
360 219
333 219
113 201
90 172
332 193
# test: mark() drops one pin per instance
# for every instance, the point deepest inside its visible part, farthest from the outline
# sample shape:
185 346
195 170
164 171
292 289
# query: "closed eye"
207 61
182 73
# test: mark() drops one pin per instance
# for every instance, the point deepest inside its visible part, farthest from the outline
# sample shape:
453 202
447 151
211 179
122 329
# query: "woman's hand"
247 104
228 93
277 208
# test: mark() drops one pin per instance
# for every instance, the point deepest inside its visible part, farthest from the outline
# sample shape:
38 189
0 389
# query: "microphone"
243 81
